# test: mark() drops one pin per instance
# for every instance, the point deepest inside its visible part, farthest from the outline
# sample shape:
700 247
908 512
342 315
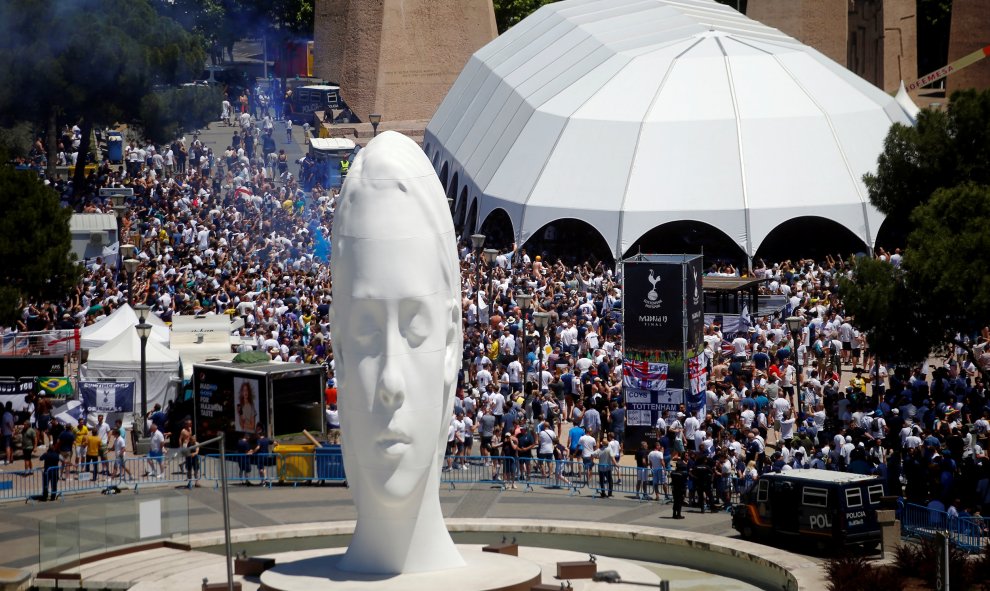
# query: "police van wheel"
747 532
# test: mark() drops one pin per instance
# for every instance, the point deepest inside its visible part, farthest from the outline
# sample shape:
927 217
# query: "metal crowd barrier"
968 533
526 474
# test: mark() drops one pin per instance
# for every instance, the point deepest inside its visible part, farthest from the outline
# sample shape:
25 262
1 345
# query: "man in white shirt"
156 453
515 372
691 426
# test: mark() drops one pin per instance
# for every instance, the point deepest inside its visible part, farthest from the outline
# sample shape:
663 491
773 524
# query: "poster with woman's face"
245 405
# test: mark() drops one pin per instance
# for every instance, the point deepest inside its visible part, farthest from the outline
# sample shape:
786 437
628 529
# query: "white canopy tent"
121 358
629 114
124 317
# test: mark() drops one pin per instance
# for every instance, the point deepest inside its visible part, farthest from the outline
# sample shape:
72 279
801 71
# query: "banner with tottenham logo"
107 396
662 328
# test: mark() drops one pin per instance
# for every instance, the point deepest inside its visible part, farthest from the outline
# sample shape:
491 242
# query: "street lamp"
477 241
489 255
375 119
794 325
144 331
130 267
142 311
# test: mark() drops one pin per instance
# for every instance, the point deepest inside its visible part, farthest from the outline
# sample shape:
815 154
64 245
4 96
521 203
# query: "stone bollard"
890 529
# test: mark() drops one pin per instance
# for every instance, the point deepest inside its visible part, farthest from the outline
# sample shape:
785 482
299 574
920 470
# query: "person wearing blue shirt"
573 435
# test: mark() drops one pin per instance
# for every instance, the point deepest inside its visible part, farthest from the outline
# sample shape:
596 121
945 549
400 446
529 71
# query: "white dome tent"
631 114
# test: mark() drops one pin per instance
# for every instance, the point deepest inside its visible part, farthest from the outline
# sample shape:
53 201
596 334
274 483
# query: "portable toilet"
115 147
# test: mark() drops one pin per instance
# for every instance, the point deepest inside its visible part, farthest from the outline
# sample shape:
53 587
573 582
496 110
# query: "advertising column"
662 335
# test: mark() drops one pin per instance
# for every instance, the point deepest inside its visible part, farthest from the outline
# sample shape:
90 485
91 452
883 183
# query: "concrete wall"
818 23
865 56
876 39
968 33
398 57
900 43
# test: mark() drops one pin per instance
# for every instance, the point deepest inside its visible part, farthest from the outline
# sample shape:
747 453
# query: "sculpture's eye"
414 321
365 327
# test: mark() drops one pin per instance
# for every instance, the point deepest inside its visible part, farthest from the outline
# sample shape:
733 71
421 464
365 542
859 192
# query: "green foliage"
937 175
166 114
918 560
947 257
15 141
34 244
891 313
855 573
510 12
91 60
945 149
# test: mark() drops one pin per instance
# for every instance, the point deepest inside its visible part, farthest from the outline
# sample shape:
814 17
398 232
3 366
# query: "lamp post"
489 254
119 209
477 241
228 553
375 119
794 325
144 330
541 320
130 267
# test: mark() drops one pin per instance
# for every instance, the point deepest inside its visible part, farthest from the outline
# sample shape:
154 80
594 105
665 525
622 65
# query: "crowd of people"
234 234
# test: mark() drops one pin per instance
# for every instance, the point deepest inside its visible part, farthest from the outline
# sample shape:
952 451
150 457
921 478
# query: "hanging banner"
644 375
107 396
18 387
652 305
694 304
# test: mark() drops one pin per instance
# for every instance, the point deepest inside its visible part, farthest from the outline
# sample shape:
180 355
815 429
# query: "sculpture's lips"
394 442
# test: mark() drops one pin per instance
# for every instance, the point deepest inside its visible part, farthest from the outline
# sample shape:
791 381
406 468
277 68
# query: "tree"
935 176
510 12
88 60
885 307
944 149
946 261
34 244
165 114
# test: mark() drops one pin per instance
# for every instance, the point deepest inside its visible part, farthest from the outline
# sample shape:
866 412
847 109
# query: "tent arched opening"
572 240
689 237
497 229
472 217
894 231
443 177
812 237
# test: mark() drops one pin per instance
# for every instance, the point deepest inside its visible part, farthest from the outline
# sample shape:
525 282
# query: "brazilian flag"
54 387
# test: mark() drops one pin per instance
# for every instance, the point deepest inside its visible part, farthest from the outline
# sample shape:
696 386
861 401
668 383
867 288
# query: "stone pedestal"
891 530
578 569
398 58
509 549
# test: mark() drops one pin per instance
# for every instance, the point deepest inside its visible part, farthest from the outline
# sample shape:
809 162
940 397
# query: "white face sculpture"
396 323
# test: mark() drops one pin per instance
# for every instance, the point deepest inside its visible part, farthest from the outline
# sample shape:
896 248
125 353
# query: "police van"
827 508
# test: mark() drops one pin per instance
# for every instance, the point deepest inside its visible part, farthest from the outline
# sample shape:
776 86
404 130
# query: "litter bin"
295 462
115 147
330 463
